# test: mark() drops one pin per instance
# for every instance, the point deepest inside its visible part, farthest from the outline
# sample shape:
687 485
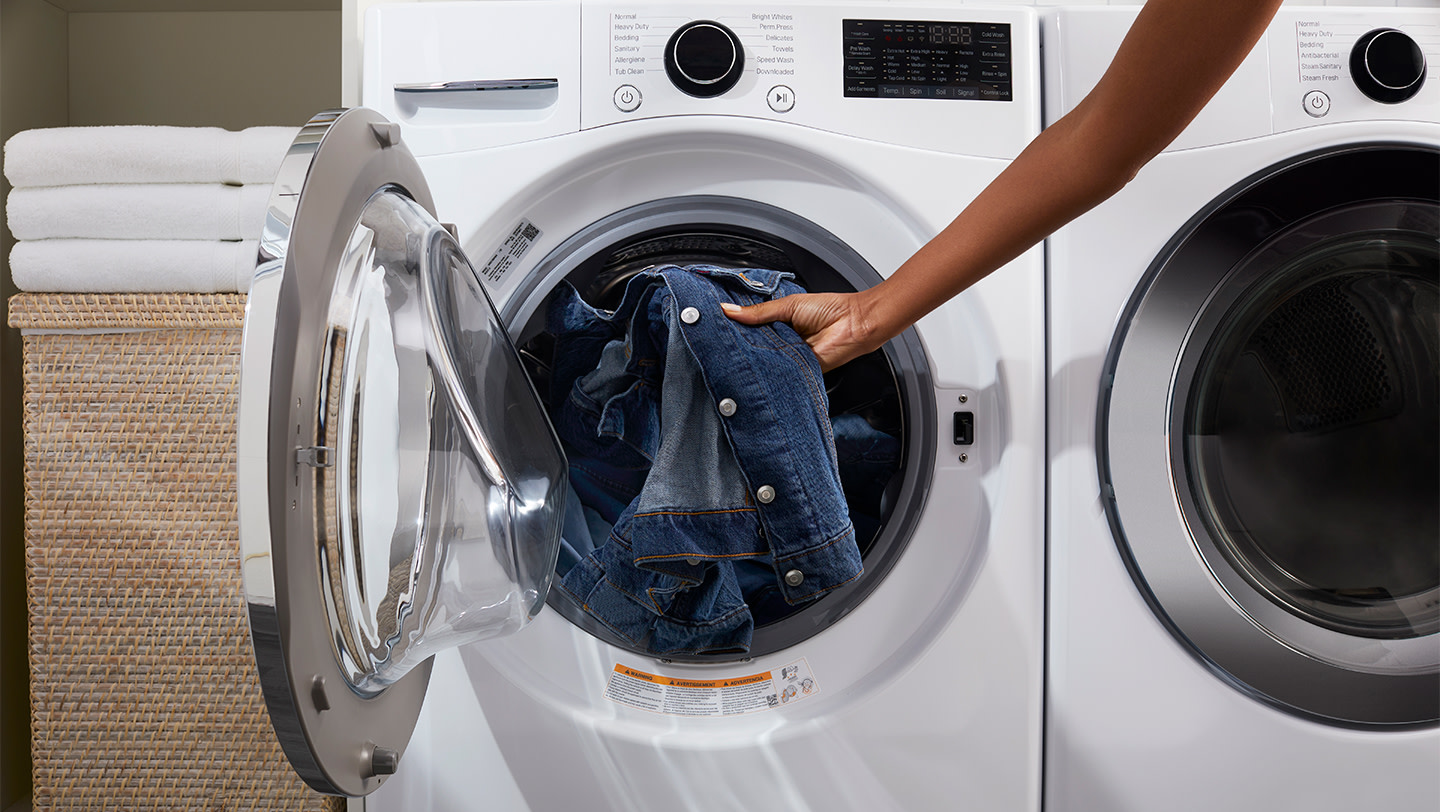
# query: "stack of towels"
140 209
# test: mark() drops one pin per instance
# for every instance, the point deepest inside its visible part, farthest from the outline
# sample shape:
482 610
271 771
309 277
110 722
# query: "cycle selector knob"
1387 65
704 59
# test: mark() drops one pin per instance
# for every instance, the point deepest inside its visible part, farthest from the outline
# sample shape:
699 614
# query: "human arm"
1177 54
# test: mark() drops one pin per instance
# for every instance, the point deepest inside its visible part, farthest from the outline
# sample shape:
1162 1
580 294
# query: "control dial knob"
704 58
1387 66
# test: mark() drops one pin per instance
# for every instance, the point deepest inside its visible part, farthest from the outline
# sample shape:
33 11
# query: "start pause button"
781 99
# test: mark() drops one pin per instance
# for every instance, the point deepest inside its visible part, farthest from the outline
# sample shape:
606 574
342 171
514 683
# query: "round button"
728 407
627 98
765 494
689 315
781 99
1387 65
704 59
694 562
1316 103
794 577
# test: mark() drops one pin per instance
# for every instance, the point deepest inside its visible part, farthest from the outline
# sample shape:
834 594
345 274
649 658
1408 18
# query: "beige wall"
63 63
231 69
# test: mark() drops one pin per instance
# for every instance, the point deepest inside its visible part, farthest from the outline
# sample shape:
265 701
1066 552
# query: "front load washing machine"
1244 592
402 491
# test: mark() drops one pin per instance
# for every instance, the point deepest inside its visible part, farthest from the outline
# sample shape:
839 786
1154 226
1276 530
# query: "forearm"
1044 188
1176 56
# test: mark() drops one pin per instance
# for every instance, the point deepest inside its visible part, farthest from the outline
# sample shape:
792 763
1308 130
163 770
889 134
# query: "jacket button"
794 577
727 407
694 562
689 315
765 494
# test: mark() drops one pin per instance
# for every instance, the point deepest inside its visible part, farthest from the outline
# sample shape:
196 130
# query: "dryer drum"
1332 362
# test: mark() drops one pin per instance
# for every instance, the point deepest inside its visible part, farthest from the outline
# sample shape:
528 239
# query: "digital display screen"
947 34
910 59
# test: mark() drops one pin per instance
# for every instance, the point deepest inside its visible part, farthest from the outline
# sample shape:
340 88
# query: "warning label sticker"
511 250
712 697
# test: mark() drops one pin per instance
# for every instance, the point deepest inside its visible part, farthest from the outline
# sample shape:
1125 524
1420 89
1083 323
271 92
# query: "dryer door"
1270 439
400 486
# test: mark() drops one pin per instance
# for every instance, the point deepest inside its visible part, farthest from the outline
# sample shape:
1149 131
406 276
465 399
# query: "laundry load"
703 459
140 209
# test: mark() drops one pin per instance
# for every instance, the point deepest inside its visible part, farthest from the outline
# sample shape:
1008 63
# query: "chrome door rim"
338 741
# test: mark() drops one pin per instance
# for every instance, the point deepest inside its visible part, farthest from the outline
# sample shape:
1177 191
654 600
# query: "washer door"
881 405
400 486
1269 438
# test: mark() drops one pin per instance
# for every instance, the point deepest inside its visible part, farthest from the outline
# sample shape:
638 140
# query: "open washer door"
400 486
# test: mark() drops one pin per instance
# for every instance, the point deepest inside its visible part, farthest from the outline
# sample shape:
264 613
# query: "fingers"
818 318
763 313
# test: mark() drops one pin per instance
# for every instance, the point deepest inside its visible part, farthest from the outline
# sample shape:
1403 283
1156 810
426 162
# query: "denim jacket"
710 442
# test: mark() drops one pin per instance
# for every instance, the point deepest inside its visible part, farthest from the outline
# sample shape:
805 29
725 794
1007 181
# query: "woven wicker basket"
144 693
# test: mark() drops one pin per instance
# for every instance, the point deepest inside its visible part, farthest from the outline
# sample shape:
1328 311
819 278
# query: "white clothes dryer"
401 488
1244 591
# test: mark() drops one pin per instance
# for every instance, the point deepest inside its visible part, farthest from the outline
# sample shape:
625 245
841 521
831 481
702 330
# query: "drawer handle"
479 86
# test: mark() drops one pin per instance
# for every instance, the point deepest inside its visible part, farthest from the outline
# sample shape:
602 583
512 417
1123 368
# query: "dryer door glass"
1270 436
399 484
1313 439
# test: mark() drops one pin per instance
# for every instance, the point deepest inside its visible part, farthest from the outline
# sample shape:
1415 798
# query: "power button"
1316 103
627 98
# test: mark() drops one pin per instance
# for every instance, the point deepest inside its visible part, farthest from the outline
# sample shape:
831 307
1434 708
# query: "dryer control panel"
1314 66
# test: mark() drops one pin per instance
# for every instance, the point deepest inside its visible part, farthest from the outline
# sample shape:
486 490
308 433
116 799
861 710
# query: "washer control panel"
895 72
909 59
927 74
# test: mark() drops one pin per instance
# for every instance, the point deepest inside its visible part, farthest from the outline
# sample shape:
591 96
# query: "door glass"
442 514
1312 436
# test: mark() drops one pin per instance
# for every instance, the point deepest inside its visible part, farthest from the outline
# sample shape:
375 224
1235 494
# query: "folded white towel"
133 266
65 156
141 211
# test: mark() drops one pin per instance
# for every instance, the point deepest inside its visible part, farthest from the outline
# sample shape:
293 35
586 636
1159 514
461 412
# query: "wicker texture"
144 692
92 311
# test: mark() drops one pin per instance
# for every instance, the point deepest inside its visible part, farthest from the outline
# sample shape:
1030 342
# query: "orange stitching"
678 556
694 513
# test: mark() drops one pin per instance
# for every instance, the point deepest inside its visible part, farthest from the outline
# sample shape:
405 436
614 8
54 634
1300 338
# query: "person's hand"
835 325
